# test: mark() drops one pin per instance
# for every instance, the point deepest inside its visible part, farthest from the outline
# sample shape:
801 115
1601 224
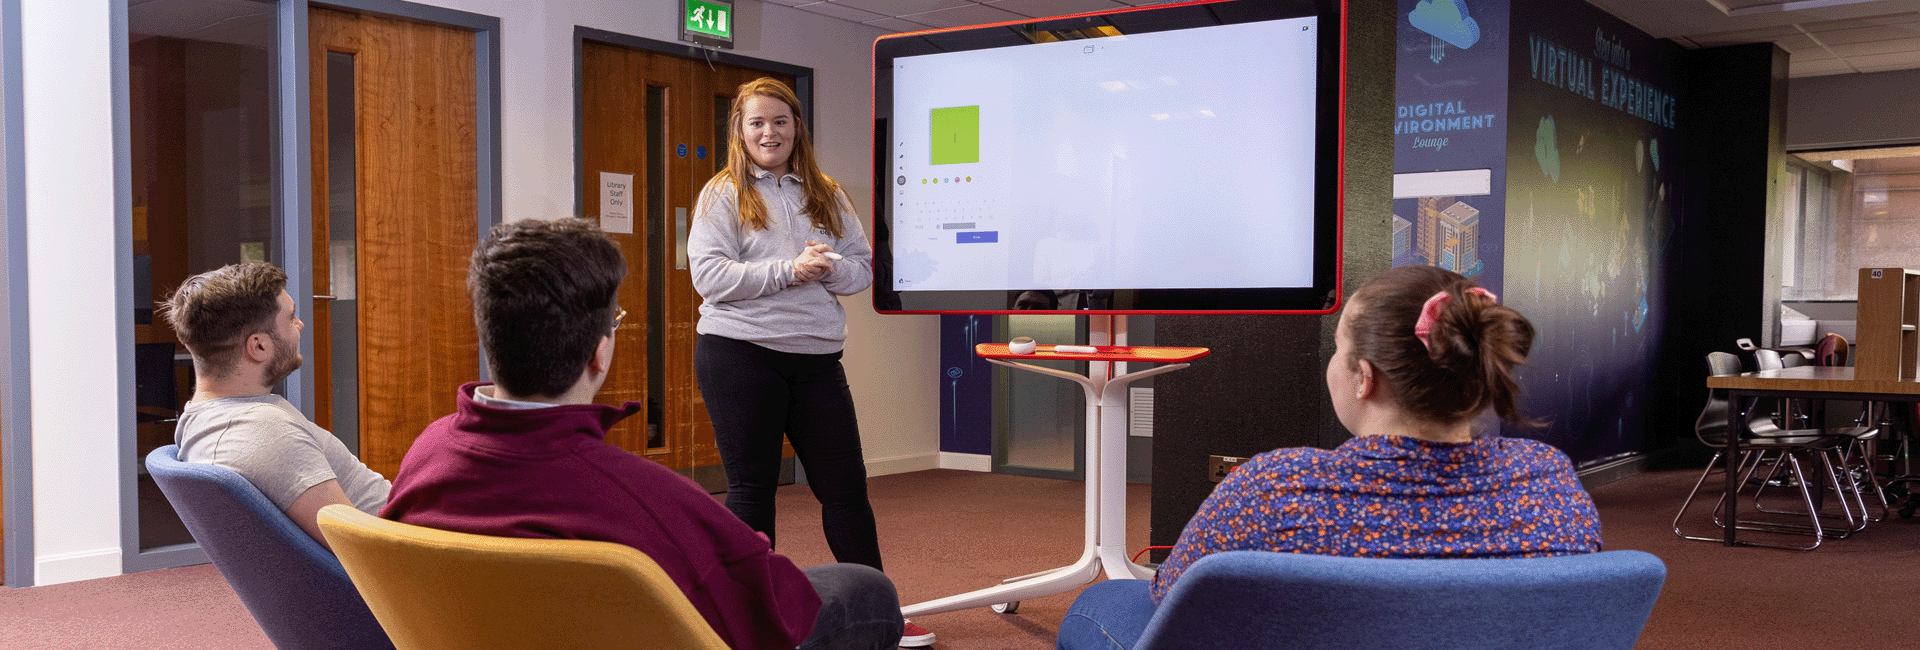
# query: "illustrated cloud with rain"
1446 20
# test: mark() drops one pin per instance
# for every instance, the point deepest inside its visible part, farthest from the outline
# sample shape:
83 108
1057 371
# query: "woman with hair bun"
1421 353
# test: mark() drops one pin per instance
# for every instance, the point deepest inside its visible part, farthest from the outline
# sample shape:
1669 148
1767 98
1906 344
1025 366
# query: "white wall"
1879 110
65 69
891 361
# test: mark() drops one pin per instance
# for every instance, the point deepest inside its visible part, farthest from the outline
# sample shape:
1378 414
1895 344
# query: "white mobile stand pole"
1106 464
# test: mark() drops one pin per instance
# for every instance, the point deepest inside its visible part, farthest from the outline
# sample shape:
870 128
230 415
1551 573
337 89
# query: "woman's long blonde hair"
822 193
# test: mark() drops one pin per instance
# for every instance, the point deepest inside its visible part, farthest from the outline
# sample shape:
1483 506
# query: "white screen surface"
1109 163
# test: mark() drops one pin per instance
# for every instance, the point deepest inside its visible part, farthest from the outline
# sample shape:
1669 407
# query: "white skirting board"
902 464
74 567
969 462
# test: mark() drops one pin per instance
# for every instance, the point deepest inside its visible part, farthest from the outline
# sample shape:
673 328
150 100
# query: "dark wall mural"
1592 191
1534 152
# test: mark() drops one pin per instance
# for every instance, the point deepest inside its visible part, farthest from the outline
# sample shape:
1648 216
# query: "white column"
68 118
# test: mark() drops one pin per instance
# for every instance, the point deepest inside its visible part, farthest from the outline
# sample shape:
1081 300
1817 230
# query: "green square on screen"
956 135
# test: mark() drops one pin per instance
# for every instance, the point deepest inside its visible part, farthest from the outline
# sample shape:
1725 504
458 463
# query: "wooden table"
1810 382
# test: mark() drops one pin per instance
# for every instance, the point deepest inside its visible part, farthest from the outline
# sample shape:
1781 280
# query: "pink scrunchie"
1430 312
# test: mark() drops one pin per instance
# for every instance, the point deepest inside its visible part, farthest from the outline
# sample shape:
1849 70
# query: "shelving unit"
1887 339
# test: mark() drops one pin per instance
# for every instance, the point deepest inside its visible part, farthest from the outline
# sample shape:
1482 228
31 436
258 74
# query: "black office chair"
1856 440
1794 451
1851 458
1790 413
1901 422
1871 426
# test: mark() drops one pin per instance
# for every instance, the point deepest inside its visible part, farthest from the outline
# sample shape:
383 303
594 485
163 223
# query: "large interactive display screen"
1168 159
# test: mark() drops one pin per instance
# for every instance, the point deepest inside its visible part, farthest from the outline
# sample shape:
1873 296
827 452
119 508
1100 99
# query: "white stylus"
1084 349
834 256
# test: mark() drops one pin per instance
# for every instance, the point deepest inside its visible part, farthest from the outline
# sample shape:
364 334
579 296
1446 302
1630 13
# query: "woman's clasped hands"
812 263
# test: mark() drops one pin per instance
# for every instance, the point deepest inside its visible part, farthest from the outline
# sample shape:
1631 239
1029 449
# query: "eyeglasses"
618 317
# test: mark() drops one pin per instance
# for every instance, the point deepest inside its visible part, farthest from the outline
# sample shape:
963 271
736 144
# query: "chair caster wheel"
1006 608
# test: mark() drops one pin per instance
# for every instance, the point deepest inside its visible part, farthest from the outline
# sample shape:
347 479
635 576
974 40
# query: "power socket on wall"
1218 466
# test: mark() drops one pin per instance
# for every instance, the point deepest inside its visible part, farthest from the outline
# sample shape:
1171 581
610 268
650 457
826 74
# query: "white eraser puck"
835 256
1084 349
1022 345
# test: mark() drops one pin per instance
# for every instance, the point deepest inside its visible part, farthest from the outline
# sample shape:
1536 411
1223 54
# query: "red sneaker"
915 636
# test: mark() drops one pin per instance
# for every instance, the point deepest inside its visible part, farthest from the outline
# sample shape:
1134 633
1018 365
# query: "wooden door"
659 118
415 189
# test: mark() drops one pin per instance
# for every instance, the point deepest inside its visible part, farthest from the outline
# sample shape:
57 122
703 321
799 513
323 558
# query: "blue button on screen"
978 237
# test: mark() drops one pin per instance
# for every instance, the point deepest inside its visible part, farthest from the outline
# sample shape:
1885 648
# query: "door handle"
323 298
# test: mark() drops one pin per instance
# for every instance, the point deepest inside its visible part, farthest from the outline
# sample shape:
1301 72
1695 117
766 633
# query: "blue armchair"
1252 599
294 588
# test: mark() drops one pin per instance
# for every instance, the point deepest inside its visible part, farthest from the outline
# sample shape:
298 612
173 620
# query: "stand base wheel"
1006 608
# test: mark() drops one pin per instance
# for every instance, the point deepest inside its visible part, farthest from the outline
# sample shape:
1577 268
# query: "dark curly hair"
544 292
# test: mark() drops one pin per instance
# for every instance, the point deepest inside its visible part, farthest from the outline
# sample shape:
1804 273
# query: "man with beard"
238 322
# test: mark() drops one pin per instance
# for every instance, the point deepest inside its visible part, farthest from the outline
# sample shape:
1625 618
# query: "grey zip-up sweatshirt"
742 275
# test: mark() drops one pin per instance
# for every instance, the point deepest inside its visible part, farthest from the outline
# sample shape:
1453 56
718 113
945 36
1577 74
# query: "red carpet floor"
945 532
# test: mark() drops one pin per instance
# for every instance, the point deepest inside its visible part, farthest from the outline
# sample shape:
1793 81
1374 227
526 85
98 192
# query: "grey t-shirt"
268 441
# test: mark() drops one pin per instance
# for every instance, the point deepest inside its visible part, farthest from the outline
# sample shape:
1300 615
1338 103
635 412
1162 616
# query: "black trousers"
754 395
859 609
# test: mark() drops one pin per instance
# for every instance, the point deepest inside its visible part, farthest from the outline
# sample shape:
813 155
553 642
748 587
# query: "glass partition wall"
201 131
1842 211
1847 210
1040 422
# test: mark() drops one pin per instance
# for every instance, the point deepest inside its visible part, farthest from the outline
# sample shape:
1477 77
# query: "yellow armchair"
440 590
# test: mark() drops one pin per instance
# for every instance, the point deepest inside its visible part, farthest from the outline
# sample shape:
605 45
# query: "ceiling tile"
791 3
898 25
1864 35
902 7
1797 43
1793 42
1893 20
1050 8
840 11
1757 34
1891 68
1740 37
1708 40
1810 54
1882 61
964 16
1877 47
1814 68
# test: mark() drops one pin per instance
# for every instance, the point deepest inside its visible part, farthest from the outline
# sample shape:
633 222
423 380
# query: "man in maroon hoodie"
526 456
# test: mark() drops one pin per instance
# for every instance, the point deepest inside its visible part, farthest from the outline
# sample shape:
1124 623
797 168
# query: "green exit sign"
707 22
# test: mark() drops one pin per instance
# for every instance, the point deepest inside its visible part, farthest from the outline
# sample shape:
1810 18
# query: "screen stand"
1105 385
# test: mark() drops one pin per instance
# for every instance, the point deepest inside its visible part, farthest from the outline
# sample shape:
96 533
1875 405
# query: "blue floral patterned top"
1395 496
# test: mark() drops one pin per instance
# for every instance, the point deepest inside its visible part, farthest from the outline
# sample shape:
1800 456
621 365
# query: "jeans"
859 609
1110 615
755 395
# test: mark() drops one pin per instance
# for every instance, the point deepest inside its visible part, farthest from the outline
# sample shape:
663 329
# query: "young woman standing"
774 243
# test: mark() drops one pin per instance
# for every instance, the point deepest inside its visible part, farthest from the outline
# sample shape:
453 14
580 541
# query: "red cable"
1136 556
